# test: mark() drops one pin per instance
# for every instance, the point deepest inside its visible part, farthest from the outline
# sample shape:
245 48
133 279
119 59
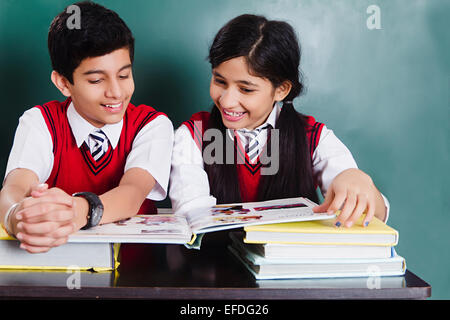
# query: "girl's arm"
189 185
339 179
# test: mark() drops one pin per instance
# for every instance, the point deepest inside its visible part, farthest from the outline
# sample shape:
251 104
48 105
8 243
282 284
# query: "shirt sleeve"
152 151
189 185
32 147
330 158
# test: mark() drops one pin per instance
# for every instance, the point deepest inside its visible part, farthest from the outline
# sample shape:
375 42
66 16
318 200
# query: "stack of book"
318 249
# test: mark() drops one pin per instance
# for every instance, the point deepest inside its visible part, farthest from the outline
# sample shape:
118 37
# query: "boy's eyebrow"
248 83
103 72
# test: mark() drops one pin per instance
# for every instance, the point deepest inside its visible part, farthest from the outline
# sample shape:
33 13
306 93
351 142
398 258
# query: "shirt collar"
81 128
271 119
273 116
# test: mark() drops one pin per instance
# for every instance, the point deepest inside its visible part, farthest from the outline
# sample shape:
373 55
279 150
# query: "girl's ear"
283 90
61 83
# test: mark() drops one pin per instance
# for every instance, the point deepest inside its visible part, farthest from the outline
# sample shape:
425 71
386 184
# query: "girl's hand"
44 220
354 193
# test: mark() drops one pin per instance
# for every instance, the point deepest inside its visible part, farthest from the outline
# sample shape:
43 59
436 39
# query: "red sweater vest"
249 174
74 169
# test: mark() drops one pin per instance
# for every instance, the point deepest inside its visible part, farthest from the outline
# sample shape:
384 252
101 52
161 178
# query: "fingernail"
349 224
18 216
20 237
337 224
366 223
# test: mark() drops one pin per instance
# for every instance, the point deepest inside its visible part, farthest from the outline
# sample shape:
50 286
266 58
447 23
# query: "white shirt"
189 186
151 150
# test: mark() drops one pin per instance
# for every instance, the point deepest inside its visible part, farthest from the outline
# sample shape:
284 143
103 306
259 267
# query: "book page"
159 228
228 216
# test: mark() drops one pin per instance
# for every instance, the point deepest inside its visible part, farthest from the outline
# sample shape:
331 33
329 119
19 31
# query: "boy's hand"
45 219
354 193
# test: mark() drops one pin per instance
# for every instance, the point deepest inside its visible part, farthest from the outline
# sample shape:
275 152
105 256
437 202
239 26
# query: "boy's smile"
102 87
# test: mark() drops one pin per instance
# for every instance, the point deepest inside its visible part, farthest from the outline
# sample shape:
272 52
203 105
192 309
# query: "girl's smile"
232 116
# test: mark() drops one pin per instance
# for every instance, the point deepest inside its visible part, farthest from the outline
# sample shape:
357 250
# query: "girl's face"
244 100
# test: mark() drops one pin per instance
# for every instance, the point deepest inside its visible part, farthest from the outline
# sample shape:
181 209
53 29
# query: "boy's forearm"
121 203
125 200
9 196
16 187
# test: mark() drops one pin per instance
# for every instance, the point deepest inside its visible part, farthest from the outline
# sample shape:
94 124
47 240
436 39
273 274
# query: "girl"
255 78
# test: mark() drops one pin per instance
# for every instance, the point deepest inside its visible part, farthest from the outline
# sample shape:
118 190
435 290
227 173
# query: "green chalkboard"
377 73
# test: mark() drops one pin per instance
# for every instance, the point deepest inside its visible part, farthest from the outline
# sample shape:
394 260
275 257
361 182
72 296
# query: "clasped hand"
45 219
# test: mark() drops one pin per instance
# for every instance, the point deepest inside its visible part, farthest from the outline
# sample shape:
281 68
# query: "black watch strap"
95 212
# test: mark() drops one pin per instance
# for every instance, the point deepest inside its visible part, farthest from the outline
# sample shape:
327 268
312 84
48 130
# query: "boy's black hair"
272 51
101 31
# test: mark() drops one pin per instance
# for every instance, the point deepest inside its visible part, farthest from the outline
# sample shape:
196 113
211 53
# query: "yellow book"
323 232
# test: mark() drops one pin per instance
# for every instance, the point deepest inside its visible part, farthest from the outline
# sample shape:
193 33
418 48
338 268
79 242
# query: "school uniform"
52 140
189 186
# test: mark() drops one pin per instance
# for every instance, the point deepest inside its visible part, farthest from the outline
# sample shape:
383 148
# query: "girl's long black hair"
272 51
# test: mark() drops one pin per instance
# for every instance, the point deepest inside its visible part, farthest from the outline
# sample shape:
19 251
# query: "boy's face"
102 87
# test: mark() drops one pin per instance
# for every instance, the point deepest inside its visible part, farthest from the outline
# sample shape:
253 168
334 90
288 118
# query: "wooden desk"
174 272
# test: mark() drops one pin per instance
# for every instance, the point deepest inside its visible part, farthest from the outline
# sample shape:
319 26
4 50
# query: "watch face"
95 208
97 214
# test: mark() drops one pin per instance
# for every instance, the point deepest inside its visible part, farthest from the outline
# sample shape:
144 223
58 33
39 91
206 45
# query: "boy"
102 159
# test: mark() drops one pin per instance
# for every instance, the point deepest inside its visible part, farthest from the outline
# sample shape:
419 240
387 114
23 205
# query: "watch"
95 212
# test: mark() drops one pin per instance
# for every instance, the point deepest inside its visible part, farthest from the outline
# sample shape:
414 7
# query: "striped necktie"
251 142
98 144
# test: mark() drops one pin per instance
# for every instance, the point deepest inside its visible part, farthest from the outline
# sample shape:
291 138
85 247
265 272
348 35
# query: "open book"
97 248
182 229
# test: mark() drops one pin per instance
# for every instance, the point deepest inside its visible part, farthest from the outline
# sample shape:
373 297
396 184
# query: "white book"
306 251
391 282
76 256
57 278
262 268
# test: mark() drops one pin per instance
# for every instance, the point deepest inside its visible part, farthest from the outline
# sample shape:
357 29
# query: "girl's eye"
124 77
219 81
247 90
94 81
